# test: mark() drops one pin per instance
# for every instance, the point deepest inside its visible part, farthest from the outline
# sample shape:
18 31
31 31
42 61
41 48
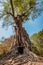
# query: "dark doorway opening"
20 49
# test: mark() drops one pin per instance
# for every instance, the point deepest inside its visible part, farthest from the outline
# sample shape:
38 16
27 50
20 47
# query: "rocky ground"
13 58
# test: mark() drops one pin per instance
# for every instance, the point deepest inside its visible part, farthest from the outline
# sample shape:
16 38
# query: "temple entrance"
20 49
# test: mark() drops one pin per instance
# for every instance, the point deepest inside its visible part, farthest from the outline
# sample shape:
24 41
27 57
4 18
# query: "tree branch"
12 7
23 14
10 13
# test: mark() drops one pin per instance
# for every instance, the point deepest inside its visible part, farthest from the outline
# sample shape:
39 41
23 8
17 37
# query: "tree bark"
22 38
19 30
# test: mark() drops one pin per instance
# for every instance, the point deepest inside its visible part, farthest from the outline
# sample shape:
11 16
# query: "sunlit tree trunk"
20 32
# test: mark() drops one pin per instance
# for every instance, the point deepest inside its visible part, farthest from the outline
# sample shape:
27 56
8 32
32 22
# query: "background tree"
18 11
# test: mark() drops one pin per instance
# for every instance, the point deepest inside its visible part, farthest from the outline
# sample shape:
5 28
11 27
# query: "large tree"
18 11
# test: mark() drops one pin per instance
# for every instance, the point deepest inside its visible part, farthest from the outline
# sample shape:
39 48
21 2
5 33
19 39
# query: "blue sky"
34 26
30 26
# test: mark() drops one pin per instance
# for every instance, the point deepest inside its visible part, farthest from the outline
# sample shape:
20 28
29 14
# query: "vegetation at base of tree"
37 43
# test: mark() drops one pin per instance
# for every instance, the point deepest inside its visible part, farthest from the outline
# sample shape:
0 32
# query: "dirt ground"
33 63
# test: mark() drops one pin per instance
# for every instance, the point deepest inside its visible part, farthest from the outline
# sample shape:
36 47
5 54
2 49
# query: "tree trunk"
18 30
22 38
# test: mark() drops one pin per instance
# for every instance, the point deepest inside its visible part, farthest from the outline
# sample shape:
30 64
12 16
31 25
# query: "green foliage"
35 50
37 43
20 6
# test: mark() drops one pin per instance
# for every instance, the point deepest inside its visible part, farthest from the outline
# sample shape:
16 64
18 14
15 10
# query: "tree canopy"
20 7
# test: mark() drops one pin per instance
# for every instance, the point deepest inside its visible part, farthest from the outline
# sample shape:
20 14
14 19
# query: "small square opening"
20 49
